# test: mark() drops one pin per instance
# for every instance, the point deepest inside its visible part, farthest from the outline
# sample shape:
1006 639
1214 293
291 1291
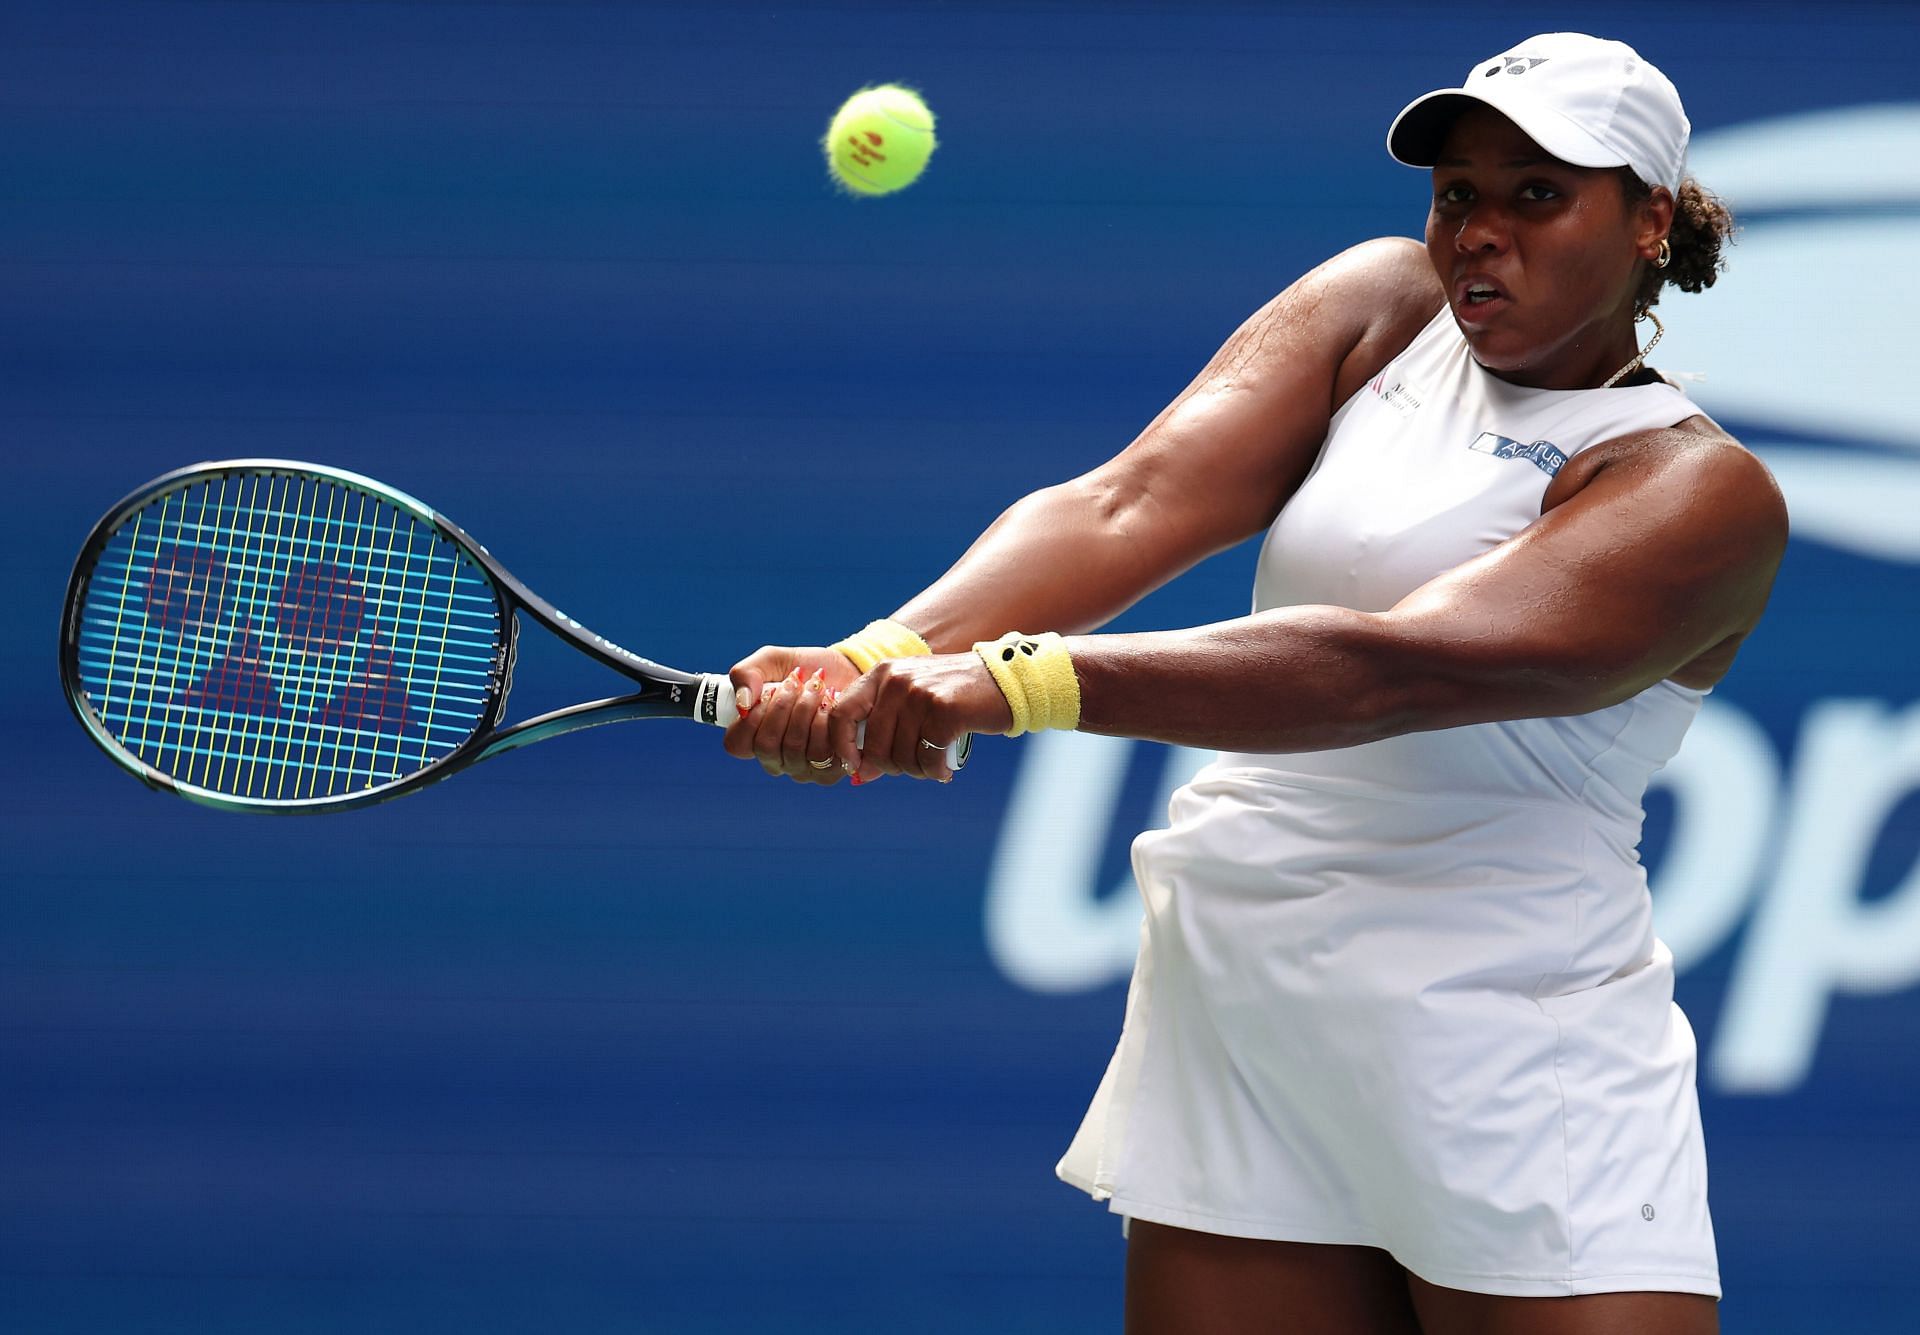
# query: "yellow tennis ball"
880 140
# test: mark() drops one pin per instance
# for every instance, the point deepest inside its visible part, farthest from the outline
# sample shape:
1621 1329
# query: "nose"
1483 229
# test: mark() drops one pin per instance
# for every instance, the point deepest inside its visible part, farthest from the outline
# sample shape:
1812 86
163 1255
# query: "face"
1540 259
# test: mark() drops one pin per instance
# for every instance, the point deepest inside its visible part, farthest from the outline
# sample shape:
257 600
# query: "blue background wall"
616 1034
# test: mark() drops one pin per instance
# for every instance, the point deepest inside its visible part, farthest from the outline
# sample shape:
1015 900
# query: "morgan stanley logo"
1773 836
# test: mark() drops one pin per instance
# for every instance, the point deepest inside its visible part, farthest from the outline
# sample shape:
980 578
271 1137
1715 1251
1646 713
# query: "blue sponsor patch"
1544 455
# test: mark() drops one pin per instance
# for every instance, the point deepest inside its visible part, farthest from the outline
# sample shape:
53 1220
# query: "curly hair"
1702 228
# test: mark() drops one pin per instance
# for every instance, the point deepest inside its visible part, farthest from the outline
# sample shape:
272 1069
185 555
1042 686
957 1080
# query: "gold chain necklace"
1634 365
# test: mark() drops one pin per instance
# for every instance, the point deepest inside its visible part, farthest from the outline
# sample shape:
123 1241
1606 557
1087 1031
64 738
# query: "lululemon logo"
1646 1213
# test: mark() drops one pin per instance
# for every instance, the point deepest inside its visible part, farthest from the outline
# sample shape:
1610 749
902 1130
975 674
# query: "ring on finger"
822 764
931 746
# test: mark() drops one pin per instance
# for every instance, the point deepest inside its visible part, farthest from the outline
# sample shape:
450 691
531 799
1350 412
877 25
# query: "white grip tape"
726 711
955 752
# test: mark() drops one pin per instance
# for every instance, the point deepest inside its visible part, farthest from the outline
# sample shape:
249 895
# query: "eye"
1453 194
1538 191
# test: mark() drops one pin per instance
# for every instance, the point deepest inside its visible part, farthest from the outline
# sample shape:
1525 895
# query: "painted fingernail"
794 676
857 781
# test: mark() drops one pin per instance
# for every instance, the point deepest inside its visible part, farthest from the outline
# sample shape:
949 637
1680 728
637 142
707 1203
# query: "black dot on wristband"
1006 655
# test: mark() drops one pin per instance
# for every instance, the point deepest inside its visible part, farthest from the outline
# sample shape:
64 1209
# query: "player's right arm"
1211 470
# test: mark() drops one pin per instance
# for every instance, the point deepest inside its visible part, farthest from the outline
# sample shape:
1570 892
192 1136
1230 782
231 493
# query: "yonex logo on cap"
1601 105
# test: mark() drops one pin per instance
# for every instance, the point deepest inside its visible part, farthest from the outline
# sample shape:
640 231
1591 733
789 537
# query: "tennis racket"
266 635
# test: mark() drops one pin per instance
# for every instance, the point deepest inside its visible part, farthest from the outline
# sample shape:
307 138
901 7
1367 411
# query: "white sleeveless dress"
1407 994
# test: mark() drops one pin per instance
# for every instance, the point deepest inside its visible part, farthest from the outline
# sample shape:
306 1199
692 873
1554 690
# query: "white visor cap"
1587 101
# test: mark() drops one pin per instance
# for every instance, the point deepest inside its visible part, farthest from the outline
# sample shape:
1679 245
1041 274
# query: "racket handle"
714 703
956 752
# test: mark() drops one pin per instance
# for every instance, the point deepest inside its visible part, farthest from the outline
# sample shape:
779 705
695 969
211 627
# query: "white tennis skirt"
1457 1042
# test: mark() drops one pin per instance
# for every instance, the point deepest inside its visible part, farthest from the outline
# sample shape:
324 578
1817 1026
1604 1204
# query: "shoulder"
1368 301
1389 272
1378 286
1693 470
1390 286
1359 309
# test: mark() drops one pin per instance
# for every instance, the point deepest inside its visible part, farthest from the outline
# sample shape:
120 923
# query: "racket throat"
698 699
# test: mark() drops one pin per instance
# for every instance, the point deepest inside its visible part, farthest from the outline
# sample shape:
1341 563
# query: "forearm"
1304 679
1069 558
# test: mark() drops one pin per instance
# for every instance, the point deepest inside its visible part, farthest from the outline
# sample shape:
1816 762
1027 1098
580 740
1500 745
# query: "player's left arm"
1653 560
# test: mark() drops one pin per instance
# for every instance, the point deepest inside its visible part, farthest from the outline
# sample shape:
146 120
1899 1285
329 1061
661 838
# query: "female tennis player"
1401 1052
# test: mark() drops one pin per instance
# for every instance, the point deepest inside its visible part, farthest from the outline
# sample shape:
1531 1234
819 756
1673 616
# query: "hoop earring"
1664 255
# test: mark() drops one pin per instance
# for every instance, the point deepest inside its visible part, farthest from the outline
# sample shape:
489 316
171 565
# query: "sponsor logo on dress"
1396 394
1543 454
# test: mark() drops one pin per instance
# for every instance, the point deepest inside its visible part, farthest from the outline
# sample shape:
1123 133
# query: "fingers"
910 754
804 751
785 728
782 695
899 713
749 678
931 755
796 725
846 731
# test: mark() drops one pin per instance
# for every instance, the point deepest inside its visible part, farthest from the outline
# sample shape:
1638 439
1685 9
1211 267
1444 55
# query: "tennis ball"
879 141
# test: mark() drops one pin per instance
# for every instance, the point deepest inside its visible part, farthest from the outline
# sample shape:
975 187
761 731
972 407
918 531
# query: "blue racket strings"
280 638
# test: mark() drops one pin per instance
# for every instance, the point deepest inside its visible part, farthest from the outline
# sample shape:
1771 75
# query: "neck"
1621 359
1640 357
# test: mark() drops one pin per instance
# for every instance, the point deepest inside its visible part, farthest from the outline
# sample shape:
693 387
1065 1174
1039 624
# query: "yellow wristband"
1035 673
882 640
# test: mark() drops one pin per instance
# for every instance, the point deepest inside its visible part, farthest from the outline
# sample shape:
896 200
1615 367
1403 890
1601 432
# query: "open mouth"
1479 298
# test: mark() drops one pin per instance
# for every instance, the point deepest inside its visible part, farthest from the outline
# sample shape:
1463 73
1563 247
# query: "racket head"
270 635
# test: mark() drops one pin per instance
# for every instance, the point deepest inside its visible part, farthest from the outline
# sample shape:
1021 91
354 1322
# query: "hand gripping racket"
265 635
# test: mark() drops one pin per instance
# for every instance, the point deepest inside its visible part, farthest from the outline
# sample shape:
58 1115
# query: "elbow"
1364 680
1089 506
1427 681
1108 507
1457 690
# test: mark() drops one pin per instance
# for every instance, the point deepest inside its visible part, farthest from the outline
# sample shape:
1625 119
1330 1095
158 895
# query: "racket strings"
280 637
